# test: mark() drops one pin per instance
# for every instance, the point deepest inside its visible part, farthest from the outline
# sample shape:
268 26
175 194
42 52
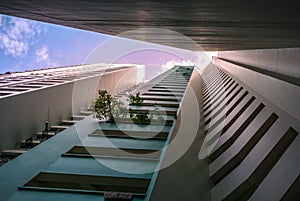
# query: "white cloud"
16 35
170 64
42 54
43 58
201 60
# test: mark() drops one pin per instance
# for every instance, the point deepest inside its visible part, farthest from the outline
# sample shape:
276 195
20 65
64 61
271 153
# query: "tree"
117 110
156 113
102 105
135 100
139 117
109 108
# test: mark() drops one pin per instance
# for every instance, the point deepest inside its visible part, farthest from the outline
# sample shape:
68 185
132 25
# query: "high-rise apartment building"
234 132
210 137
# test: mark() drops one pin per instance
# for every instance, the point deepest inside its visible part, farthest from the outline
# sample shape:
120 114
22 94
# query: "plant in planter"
156 114
107 107
160 119
102 105
135 100
117 110
139 117
142 118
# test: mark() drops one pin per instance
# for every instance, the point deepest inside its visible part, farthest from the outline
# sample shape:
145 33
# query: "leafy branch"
109 108
135 100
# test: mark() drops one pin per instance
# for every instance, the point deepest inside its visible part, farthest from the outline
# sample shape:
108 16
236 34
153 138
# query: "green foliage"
139 117
184 71
135 100
102 105
160 119
107 107
157 113
145 117
117 110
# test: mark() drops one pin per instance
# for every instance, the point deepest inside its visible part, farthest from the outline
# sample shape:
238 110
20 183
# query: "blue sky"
27 44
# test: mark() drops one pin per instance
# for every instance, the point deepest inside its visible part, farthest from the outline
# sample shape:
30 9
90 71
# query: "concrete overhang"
214 25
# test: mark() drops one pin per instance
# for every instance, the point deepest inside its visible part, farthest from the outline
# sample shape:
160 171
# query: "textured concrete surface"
280 63
272 73
215 25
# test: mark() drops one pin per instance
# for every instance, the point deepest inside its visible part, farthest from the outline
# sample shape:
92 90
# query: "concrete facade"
272 73
226 142
54 157
24 114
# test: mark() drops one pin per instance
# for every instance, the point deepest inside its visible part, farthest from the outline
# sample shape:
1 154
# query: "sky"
27 45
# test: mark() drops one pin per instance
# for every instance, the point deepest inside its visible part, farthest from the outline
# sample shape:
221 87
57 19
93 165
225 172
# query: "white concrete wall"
285 93
23 115
283 61
183 176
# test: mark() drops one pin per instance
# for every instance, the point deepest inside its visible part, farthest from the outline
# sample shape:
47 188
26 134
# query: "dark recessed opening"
113 152
12 89
131 134
88 183
29 86
4 94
